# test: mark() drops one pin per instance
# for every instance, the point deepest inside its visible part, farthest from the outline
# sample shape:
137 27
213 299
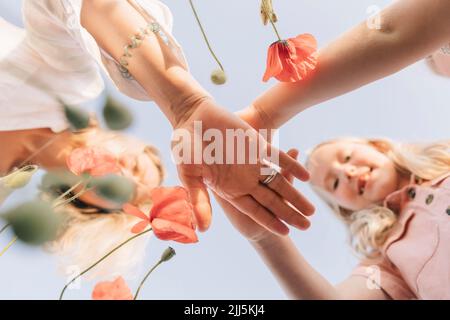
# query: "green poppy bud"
19 178
77 117
168 254
218 77
116 189
58 180
34 222
117 116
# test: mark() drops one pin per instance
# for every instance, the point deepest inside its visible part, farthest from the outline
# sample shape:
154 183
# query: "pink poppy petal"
306 42
140 226
79 161
93 160
179 211
134 211
104 169
274 65
112 290
167 230
162 196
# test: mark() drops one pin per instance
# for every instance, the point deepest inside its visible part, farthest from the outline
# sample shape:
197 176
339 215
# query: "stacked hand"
240 186
244 224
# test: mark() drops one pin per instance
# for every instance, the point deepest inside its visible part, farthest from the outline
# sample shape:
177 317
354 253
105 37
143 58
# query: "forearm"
298 279
152 64
41 147
410 30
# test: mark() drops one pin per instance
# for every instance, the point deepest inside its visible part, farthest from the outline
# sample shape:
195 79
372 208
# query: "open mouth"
362 182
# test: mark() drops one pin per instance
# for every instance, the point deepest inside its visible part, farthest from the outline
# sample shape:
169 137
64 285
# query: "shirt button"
411 193
429 199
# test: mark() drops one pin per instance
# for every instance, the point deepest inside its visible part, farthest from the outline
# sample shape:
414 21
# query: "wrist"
258 120
180 95
268 241
256 117
182 110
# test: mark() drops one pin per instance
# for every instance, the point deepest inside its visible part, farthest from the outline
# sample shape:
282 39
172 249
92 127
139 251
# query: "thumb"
200 201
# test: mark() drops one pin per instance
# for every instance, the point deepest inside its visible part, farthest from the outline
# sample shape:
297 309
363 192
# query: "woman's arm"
153 65
186 104
410 30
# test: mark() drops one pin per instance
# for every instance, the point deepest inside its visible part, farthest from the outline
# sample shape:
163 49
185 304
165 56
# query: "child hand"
244 224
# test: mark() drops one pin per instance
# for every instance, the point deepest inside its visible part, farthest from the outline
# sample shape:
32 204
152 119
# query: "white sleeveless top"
56 56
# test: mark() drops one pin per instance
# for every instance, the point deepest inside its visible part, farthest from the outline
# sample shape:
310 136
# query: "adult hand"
239 184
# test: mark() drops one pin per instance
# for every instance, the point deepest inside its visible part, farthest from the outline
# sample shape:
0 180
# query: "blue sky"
411 105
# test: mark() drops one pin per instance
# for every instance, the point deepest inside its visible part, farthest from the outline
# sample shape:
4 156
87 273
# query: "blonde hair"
87 237
88 234
369 228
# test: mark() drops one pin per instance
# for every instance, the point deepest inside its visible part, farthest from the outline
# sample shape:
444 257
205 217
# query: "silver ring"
270 177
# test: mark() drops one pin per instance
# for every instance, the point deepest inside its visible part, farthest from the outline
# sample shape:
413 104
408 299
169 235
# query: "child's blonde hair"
370 227
88 234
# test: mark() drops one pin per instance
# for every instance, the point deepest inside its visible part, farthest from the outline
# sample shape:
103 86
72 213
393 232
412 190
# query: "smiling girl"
395 200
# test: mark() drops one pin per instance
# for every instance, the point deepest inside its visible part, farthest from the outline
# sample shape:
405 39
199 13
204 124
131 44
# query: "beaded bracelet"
136 41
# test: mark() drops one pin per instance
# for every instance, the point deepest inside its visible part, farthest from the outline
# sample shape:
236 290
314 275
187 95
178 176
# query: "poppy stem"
41 149
8 245
72 198
68 191
145 278
205 36
77 195
100 260
6 226
275 28
168 254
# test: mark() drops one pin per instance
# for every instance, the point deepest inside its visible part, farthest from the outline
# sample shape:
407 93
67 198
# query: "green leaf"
116 189
77 117
117 116
34 222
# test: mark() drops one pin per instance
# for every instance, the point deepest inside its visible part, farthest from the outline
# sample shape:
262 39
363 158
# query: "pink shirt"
415 262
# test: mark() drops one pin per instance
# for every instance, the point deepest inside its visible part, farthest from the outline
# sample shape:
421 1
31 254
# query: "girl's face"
355 175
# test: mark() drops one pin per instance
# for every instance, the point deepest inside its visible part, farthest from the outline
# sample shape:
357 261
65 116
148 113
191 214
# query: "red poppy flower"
92 160
171 216
291 60
132 210
112 290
